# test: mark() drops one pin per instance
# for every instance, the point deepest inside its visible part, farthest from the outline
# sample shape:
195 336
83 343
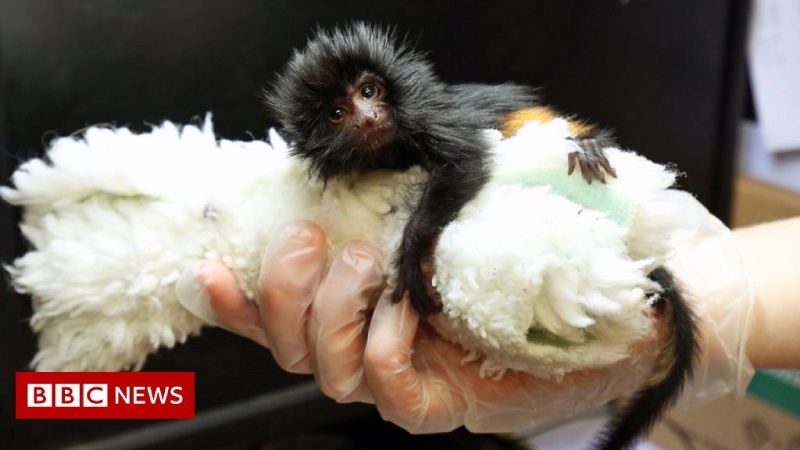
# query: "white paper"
775 71
782 169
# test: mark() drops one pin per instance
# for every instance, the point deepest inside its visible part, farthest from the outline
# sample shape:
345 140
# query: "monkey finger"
337 327
598 174
596 155
599 158
586 170
290 274
572 161
607 166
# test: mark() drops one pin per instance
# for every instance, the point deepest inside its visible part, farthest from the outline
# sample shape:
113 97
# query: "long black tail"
673 367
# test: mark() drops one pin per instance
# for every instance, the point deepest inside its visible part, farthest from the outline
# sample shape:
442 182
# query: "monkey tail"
673 367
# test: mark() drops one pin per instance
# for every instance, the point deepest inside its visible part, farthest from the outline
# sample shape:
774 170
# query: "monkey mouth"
379 137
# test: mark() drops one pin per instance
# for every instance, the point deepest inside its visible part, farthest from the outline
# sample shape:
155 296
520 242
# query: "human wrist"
770 253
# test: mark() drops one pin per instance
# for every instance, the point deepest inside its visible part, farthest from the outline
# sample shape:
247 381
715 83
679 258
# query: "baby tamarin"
355 100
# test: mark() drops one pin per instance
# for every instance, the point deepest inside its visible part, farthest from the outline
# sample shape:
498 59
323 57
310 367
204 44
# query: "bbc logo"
67 395
104 395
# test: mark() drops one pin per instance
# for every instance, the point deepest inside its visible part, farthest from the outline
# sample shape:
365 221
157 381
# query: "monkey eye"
369 90
336 115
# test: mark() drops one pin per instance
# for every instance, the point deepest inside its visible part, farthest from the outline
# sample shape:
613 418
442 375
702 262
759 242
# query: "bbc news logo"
96 395
64 395
105 395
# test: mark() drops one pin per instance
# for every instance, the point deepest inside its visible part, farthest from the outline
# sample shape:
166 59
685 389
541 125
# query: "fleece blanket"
541 272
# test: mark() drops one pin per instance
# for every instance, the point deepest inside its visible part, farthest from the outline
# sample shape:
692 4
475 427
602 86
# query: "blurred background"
669 77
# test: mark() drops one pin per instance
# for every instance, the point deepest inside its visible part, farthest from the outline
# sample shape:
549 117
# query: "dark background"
667 76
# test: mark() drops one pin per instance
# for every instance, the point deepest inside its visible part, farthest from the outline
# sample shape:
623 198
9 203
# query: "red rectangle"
105 395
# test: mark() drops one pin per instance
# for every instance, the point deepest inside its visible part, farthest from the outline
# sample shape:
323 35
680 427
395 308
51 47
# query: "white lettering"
125 395
40 395
95 395
139 395
176 393
157 396
68 395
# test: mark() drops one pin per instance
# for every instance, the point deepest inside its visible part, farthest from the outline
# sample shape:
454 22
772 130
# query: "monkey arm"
447 190
454 180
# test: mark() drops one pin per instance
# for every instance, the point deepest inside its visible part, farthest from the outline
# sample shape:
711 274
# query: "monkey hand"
414 280
591 159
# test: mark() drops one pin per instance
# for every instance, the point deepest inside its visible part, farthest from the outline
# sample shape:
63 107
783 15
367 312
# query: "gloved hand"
713 276
318 321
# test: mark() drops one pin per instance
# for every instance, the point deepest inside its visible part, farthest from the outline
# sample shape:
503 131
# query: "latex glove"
317 321
715 282
310 319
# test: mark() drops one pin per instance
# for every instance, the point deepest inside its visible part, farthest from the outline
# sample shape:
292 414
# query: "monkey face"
364 114
354 128
355 99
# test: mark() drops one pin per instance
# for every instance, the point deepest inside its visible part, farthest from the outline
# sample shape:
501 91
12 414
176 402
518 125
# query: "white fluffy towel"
541 272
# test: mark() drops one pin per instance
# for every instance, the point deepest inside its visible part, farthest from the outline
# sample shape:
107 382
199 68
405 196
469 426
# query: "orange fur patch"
579 128
542 114
515 120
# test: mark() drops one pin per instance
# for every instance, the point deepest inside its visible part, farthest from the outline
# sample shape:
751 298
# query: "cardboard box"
767 418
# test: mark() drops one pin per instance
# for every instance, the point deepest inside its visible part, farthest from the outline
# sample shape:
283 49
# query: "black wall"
666 75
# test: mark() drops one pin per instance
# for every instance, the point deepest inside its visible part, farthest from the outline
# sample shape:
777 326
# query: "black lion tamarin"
357 99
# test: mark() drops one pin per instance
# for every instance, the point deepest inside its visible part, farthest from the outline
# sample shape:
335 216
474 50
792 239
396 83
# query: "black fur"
675 361
439 127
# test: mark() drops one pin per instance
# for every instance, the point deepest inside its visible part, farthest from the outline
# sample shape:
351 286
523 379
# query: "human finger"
407 392
290 274
337 327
